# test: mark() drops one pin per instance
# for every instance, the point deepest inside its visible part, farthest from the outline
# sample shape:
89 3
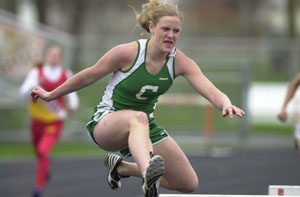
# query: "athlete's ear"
151 27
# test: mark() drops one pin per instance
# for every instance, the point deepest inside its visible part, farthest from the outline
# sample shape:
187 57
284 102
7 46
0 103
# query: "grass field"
14 151
17 150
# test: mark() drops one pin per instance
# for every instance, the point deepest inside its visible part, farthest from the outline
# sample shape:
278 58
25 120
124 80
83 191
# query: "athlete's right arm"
29 83
289 95
117 58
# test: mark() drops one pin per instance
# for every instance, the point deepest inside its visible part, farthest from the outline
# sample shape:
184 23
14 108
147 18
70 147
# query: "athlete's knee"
185 186
189 186
140 117
43 152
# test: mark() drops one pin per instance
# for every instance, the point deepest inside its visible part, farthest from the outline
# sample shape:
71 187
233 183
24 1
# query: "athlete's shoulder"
181 58
33 71
125 50
184 64
125 54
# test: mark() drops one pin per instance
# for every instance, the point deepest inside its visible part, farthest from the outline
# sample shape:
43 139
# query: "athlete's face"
166 32
54 56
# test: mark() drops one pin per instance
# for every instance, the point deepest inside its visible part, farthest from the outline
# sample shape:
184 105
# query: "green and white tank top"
137 89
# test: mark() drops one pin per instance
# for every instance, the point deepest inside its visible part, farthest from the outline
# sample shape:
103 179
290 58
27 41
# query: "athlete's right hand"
282 116
37 93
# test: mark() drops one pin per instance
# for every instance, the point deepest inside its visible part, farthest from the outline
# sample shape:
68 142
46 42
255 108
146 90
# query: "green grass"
192 118
13 118
15 150
278 129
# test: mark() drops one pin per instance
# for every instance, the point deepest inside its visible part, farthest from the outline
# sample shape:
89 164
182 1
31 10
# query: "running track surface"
243 172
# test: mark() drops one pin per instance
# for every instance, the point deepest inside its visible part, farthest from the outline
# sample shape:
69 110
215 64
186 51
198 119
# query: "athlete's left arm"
29 83
187 68
72 98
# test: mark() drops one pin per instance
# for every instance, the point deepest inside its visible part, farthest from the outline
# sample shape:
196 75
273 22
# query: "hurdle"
220 195
284 190
274 191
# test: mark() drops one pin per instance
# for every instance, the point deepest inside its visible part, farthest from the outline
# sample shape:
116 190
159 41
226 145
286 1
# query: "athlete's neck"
154 53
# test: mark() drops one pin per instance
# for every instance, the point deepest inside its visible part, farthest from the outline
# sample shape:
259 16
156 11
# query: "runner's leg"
46 143
126 128
179 174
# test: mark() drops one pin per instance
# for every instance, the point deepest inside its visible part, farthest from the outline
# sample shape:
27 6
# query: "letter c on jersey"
143 90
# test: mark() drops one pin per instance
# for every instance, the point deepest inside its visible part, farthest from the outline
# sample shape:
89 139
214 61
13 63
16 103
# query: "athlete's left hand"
230 110
38 92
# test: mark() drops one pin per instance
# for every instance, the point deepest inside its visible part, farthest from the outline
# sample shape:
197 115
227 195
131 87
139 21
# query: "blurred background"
248 49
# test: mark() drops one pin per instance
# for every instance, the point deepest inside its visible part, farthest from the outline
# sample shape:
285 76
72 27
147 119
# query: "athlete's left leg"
46 143
179 174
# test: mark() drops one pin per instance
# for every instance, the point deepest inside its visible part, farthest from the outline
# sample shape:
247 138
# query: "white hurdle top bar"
211 195
284 190
274 191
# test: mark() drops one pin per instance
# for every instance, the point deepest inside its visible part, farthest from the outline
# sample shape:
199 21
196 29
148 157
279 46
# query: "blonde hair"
154 10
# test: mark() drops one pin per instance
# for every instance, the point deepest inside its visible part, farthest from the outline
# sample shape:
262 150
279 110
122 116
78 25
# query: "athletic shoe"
37 192
154 172
112 161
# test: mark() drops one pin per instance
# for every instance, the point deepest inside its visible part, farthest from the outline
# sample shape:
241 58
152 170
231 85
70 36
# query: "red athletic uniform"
46 125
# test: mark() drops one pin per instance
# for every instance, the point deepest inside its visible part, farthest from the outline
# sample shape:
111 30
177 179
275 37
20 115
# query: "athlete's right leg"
126 129
49 138
36 128
297 137
44 137
36 131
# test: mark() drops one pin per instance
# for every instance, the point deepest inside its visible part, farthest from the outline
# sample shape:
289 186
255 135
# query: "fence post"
208 121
